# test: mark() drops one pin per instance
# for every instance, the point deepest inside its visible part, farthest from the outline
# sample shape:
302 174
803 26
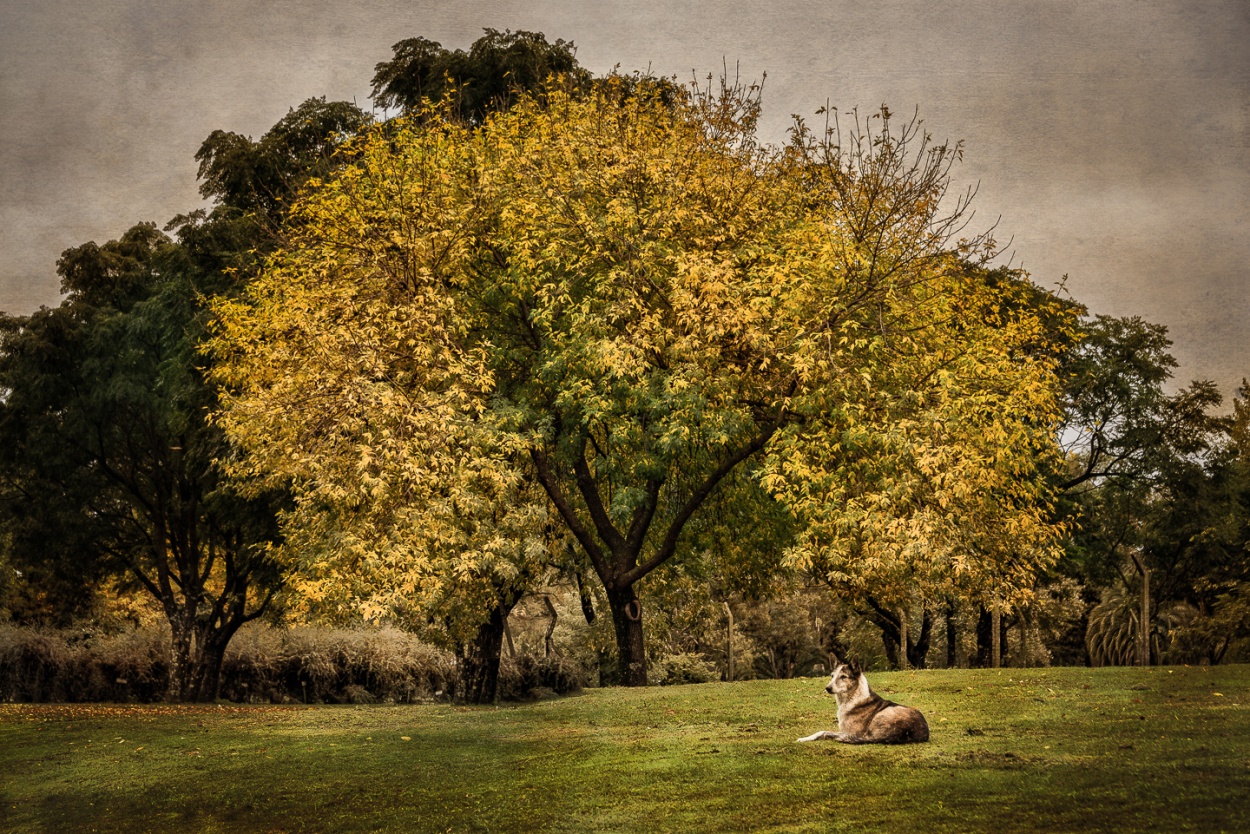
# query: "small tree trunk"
918 652
631 652
729 645
507 636
985 639
888 622
889 641
586 600
549 646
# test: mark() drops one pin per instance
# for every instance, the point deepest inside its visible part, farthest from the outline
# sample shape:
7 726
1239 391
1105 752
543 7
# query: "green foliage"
1157 482
258 179
498 68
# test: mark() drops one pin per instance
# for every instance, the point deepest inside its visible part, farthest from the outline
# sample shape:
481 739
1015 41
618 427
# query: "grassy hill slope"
1012 750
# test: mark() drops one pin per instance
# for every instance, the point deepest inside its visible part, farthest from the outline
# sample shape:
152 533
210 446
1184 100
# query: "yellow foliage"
640 287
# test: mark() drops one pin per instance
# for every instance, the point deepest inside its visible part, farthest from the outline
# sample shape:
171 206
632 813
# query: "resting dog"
864 717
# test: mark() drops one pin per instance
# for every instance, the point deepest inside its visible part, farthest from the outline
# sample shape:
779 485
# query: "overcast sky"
1112 138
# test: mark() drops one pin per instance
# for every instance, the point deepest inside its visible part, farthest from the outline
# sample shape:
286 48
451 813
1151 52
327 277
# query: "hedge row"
262 665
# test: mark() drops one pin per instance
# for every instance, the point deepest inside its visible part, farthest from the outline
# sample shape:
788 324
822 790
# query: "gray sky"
1112 138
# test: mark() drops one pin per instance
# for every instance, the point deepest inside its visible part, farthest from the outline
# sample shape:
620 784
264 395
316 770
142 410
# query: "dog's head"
845 679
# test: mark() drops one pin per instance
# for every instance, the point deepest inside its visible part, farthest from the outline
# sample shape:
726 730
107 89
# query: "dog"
864 717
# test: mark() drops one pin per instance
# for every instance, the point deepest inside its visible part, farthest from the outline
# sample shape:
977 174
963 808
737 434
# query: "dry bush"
683 667
38 665
262 665
333 665
529 676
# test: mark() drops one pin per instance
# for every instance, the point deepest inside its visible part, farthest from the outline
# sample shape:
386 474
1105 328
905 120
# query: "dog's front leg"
822 735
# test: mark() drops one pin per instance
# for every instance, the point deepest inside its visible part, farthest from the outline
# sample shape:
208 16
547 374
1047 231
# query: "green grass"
1012 750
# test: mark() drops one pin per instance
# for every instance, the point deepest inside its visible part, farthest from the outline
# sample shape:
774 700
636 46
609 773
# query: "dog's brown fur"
864 717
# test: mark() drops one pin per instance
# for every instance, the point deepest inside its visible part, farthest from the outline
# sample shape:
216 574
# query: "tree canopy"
624 299
495 70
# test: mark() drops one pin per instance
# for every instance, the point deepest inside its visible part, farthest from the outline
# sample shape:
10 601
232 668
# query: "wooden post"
548 643
1143 619
996 636
903 661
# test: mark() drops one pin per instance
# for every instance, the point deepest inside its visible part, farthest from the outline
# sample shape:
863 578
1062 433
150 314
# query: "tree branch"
583 536
594 503
669 546
642 517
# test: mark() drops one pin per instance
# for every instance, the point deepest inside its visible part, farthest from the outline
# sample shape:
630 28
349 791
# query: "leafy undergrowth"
1011 750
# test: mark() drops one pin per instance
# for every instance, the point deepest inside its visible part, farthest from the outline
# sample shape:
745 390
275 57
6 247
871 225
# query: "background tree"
1139 475
497 69
252 183
108 455
953 503
109 466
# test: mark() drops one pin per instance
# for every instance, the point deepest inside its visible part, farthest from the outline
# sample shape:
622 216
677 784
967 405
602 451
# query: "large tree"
110 466
625 298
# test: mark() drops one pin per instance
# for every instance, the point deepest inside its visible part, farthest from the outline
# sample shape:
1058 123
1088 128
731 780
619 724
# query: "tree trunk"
888 622
479 660
918 652
900 652
549 646
180 661
985 637
631 652
586 600
206 675
197 652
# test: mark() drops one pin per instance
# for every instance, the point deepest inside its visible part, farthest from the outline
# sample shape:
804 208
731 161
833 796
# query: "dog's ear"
853 668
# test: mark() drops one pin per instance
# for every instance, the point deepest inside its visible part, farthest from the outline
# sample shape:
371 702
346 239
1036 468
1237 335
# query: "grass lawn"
1011 750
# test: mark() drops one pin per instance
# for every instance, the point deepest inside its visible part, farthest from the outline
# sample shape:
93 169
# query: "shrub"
38 665
527 676
262 665
683 667
324 665
33 664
